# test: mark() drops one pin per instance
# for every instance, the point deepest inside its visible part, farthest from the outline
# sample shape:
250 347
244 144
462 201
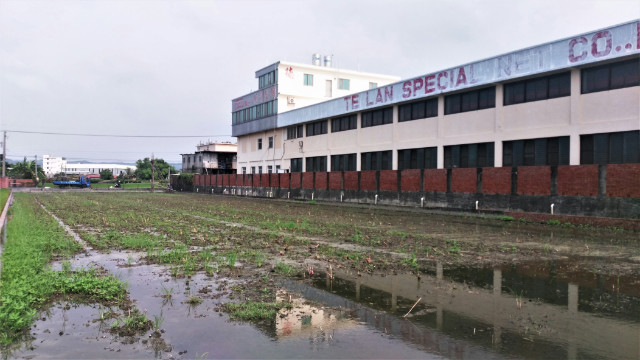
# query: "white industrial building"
568 102
55 165
282 87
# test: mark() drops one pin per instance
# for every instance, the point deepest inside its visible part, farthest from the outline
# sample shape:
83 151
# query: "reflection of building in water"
310 321
496 313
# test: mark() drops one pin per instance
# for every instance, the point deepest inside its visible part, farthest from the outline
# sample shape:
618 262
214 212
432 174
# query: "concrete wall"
585 190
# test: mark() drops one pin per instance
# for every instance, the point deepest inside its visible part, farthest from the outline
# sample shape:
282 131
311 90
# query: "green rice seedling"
285 269
157 322
194 300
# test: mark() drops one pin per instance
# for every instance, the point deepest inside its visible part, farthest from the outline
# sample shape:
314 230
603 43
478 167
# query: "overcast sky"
172 67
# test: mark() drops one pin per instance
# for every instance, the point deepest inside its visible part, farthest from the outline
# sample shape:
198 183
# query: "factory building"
573 101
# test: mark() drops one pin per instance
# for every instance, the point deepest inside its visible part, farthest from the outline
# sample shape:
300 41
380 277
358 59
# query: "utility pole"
36 164
4 155
153 170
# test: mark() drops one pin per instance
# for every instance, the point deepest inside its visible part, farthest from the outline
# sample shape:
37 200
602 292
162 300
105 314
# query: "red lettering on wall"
462 77
406 89
572 54
608 43
379 96
354 101
346 102
638 34
369 103
429 84
388 93
440 76
417 85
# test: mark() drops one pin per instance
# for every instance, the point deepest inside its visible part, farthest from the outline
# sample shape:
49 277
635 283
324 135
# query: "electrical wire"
110 135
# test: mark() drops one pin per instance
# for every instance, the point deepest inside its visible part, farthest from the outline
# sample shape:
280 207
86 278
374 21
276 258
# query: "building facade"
569 102
211 158
283 87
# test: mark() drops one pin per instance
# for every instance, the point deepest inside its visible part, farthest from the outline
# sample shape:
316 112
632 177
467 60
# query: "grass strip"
27 283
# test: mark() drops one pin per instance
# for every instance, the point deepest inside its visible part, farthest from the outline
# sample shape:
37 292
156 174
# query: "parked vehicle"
83 182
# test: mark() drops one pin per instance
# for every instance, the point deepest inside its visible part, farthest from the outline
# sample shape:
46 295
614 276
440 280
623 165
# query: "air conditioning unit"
291 100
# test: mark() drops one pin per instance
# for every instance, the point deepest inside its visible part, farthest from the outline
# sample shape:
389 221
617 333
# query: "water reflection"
534 310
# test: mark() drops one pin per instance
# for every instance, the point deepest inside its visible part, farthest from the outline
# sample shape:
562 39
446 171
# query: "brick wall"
464 180
435 180
307 180
284 181
233 179
255 180
410 180
351 180
580 180
321 180
496 180
534 180
273 180
335 180
4 182
388 180
264 180
241 179
623 180
368 180
295 180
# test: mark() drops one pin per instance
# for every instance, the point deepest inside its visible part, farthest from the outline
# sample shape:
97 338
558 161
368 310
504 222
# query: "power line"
111 135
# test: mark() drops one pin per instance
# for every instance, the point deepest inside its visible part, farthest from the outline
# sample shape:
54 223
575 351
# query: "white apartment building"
282 87
568 102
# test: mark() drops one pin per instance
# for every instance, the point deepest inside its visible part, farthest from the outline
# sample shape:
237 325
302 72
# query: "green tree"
143 169
106 174
25 170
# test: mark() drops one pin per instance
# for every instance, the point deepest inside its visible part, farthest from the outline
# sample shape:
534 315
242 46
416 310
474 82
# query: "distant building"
211 158
55 165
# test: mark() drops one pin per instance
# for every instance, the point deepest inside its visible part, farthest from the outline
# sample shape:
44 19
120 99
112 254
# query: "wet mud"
479 288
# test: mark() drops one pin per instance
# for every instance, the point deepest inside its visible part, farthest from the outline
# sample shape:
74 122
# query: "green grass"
254 311
284 269
27 284
4 195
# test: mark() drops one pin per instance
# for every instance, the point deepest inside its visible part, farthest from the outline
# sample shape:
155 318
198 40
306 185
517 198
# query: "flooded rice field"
360 283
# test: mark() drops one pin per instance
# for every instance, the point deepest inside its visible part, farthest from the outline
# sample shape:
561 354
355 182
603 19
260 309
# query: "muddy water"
535 310
71 331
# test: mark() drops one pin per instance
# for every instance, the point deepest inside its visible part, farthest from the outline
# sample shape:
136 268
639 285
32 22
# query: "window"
267 79
244 170
469 155
316 163
377 160
296 165
253 169
420 158
259 144
255 112
277 168
610 148
470 101
345 162
317 128
611 76
343 84
260 169
269 169
373 85
542 151
308 79
377 117
270 142
294 132
418 110
344 123
541 88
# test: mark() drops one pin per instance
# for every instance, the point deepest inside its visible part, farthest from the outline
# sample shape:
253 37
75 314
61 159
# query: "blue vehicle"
83 182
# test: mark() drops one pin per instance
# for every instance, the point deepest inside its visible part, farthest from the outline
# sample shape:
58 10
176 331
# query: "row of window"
343 84
607 148
268 79
255 112
599 78
270 143
317 128
258 169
